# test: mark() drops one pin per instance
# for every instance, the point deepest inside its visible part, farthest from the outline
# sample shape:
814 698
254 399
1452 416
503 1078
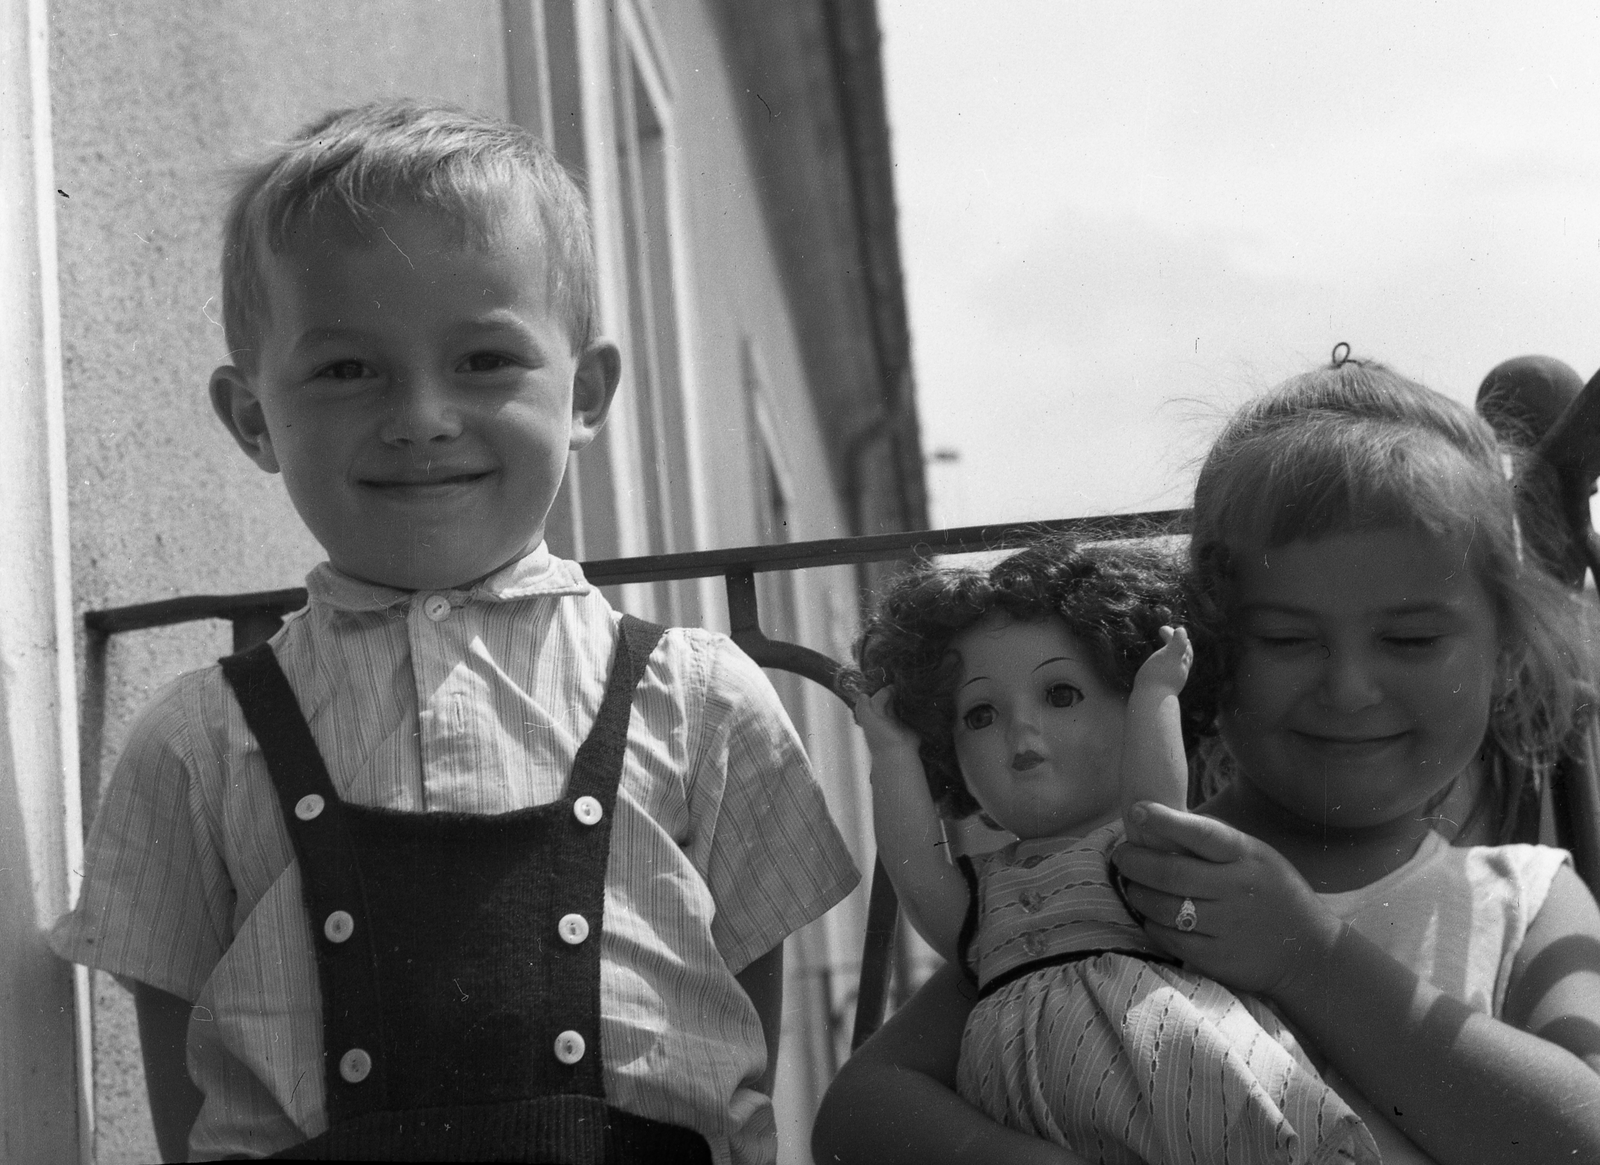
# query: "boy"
350 872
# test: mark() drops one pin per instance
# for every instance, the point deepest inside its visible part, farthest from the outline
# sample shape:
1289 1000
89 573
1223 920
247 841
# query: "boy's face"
419 397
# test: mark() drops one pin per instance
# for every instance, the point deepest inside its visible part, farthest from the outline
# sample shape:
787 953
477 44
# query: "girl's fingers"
1162 907
1204 837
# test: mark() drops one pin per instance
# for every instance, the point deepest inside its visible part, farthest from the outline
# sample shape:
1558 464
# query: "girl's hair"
1113 599
1355 447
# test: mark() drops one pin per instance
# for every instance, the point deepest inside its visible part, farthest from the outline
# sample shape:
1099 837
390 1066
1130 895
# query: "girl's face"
1365 675
1037 735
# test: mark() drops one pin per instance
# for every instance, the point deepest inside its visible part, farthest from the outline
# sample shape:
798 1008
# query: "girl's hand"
887 738
1257 924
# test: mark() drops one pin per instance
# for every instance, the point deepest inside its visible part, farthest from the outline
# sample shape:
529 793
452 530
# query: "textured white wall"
39 820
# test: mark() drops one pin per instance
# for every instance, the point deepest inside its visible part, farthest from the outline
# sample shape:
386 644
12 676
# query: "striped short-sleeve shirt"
469 701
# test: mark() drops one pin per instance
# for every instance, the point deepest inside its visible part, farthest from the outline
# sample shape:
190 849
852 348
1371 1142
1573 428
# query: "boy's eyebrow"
1056 659
313 336
498 320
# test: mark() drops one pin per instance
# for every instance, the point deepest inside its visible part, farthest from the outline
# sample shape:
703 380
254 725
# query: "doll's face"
1037 734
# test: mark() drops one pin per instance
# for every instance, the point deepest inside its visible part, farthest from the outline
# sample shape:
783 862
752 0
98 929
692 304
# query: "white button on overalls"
339 926
587 810
354 1065
436 607
569 1047
574 928
308 807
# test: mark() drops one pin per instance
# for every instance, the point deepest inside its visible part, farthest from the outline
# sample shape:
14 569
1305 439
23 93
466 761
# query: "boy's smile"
419 394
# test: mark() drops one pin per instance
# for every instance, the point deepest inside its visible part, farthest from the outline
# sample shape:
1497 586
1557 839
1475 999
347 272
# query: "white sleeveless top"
1457 916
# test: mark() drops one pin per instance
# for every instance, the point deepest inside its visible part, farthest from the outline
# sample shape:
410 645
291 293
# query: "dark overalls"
459 953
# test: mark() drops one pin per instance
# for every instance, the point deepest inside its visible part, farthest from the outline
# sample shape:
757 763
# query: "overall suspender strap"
600 756
330 879
573 972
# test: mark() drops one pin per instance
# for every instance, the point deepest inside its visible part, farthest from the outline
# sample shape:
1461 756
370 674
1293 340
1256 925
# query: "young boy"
348 873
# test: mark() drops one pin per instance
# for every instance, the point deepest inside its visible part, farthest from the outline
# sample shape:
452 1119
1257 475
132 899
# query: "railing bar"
869 548
668 567
142 616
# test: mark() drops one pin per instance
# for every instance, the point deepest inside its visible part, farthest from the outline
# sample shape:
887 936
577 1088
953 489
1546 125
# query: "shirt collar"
537 573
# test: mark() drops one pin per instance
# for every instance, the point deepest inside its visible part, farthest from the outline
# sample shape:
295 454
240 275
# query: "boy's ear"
240 410
593 386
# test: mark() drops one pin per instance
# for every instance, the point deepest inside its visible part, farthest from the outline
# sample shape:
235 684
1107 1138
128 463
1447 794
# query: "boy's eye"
342 370
1062 695
980 716
485 362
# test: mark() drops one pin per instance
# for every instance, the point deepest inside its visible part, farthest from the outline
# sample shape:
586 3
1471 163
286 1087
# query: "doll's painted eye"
1062 695
980 716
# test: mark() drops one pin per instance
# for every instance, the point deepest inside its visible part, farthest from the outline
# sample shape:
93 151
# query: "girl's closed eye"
1413 642
1283 640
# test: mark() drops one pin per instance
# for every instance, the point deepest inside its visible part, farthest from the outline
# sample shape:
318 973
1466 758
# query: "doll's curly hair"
1113 598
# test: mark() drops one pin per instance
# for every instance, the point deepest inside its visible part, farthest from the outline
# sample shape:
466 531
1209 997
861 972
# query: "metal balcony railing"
256 617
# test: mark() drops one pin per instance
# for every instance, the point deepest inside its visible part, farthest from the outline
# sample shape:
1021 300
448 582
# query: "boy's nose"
420 410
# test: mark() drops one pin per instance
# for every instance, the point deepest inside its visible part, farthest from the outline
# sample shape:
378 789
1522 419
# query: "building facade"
735 153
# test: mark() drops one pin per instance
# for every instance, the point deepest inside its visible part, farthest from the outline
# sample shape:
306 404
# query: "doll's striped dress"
1083 1036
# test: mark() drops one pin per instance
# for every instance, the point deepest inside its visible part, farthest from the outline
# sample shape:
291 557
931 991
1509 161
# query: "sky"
1120 220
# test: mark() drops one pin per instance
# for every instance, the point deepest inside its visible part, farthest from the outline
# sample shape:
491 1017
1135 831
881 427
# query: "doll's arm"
1468 1088
1153 764
910 837
894 1101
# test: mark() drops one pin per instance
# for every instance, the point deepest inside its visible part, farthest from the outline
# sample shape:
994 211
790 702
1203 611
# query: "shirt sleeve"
156 903
776 859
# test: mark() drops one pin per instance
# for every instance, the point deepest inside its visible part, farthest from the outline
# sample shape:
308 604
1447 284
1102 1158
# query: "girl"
1019 691
1387 677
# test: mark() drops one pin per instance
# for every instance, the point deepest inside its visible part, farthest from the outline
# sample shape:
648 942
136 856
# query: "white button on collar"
436 607
569 1047
573 928
587 810
339 926
355 1066
308 807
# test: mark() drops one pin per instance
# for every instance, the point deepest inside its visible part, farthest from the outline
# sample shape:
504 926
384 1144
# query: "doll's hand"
1256 923
887 738
1168 667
